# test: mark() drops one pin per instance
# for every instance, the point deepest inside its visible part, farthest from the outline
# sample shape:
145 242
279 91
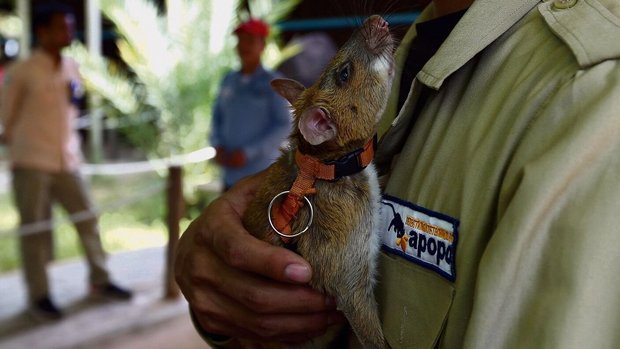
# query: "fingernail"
297 273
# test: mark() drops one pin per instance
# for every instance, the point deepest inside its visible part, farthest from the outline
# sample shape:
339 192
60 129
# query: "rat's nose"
376 35
382 23
378 22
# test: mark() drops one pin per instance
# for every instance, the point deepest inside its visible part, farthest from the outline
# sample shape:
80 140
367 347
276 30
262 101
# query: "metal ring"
281 233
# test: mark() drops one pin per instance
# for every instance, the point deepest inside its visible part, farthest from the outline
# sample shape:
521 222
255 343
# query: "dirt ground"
174 334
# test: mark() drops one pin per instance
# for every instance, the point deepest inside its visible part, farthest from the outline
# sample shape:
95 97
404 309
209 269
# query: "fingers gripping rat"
325 183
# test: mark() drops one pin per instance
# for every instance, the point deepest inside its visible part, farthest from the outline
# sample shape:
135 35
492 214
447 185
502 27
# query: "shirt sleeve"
280 126
554 249
12 90
216 121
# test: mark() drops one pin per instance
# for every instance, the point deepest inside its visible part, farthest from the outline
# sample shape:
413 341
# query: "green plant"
176 63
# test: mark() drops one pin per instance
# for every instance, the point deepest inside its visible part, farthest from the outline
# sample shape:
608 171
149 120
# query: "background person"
38 114
250 120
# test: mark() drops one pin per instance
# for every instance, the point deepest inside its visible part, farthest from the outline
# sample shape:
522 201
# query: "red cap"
253 26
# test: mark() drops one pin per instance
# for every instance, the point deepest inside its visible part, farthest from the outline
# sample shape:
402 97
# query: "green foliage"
176 63
10 25
107 80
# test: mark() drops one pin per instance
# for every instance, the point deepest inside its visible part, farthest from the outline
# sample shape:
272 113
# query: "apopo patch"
420 235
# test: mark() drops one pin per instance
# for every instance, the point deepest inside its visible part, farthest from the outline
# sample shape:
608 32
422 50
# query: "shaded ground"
147 321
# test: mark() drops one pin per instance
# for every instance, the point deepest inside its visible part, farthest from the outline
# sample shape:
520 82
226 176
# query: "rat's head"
340 111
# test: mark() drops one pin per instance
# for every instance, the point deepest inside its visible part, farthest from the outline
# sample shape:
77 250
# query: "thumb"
244 251
280 263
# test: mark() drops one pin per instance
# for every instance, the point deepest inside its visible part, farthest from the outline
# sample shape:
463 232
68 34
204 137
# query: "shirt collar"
482 24
259 71
43 56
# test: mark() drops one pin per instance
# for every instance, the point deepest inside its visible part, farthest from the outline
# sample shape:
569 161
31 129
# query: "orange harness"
311 169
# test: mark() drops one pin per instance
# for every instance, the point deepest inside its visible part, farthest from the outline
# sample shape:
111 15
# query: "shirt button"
563 4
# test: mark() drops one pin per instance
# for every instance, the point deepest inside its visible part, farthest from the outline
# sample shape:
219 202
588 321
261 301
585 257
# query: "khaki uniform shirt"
39 116
512 167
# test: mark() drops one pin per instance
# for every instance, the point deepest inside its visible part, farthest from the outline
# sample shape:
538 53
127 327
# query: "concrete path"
147 321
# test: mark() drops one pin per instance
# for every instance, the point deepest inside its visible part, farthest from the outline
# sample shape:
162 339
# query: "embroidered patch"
419 235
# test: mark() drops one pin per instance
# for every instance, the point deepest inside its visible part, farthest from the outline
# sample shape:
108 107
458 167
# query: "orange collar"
311 169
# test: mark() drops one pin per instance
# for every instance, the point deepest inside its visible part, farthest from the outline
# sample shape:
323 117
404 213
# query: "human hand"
237 159
220 156
242 287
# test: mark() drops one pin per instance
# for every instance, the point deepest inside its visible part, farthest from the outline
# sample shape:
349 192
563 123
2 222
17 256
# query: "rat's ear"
316 127
287 88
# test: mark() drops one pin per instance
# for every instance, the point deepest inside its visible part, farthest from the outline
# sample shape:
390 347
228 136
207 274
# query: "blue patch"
420 235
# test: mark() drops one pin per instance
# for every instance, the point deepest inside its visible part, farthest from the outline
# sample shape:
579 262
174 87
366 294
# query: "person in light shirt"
38 114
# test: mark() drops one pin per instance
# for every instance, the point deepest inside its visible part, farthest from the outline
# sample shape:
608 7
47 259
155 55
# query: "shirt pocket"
414 303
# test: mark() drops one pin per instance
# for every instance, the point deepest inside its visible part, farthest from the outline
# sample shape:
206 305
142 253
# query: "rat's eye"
343 74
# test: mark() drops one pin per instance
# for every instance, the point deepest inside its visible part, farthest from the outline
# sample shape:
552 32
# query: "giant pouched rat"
325 177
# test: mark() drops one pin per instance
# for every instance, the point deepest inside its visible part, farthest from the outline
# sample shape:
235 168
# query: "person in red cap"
251 36
250 121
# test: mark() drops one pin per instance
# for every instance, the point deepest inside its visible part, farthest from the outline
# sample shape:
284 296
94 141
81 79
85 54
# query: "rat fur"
333 117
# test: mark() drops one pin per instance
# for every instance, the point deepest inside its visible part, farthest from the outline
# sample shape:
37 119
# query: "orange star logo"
402 242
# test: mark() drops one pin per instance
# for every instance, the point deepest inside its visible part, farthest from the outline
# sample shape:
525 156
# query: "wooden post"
176 207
